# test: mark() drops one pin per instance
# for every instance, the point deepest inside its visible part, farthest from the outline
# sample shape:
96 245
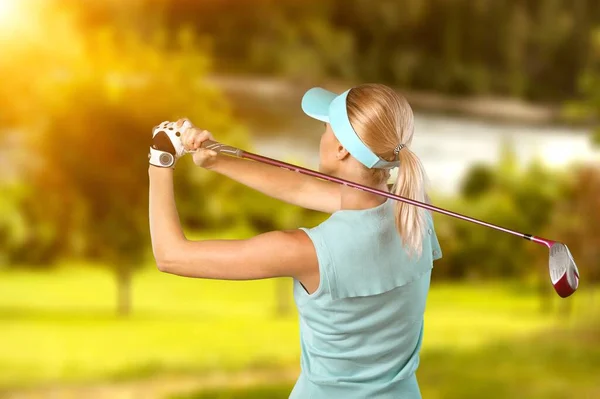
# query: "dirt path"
157 387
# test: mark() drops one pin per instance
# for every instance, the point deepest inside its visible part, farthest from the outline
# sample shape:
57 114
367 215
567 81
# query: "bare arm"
282 184
273 254
165 228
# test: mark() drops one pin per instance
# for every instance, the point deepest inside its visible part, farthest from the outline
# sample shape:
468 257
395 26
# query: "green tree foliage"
93 134
586 107
577 221
86 126
479 179
521 199
534 50
28 66
84 185
90 107
25 233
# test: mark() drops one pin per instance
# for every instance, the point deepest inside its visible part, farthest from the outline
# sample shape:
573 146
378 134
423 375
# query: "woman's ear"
341 152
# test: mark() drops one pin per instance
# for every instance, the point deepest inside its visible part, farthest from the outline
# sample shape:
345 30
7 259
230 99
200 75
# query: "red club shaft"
299 169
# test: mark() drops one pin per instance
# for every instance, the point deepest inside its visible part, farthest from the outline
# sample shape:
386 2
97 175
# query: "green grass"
273 391
560 365
60 326
551 365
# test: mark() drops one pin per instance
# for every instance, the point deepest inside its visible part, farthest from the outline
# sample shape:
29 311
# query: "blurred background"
506 96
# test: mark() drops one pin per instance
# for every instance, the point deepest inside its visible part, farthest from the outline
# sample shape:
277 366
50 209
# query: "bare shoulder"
285 252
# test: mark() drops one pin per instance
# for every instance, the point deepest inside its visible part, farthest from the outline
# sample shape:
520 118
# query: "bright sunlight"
9 11
22 20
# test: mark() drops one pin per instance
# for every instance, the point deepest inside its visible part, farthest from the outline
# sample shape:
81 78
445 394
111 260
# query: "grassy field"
561 365
60 327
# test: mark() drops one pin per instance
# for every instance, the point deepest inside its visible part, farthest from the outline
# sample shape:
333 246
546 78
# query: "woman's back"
361 330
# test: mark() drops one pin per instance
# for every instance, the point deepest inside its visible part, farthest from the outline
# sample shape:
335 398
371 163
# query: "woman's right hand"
192 140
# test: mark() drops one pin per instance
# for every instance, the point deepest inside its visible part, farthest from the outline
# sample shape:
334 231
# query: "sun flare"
8 11
20 18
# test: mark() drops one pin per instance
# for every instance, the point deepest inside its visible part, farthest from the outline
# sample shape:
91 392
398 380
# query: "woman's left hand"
166 146
192 139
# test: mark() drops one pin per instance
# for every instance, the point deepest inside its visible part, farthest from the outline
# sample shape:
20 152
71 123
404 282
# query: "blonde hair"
383 119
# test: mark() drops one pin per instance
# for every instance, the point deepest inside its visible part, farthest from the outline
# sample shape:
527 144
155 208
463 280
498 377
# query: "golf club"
563 271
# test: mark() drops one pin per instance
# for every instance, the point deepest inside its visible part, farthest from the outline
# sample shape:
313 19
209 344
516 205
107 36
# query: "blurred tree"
92 139
507 195
534 50
478 180
89 94
28 237
94 99
586 108
27 67
577 222
516 50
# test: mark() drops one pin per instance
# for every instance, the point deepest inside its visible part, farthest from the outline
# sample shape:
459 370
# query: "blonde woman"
361 278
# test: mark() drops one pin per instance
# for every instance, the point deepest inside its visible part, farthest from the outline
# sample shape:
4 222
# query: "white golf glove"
166 146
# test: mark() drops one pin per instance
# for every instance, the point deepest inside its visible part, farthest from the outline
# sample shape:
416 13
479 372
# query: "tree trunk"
123 276
282 297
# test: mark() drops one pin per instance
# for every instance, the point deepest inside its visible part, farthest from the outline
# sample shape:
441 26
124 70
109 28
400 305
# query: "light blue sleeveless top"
361 330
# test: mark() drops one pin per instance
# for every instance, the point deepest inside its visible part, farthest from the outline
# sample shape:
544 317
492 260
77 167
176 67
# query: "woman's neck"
352 198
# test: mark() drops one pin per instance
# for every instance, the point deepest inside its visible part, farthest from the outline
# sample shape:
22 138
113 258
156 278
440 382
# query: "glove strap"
162 159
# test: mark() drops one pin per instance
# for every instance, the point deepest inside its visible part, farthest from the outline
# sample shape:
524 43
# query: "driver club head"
563 271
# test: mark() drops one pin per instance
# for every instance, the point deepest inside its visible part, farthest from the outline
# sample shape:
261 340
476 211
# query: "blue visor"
329 107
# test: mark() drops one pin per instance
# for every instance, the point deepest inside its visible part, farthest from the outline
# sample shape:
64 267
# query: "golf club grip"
221 148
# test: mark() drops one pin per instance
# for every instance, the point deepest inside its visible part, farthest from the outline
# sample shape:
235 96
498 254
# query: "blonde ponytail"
383 119
410 183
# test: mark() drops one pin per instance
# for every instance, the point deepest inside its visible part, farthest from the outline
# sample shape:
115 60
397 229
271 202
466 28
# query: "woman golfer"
361 278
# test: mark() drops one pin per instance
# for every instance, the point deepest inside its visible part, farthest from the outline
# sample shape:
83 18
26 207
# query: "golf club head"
563 271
